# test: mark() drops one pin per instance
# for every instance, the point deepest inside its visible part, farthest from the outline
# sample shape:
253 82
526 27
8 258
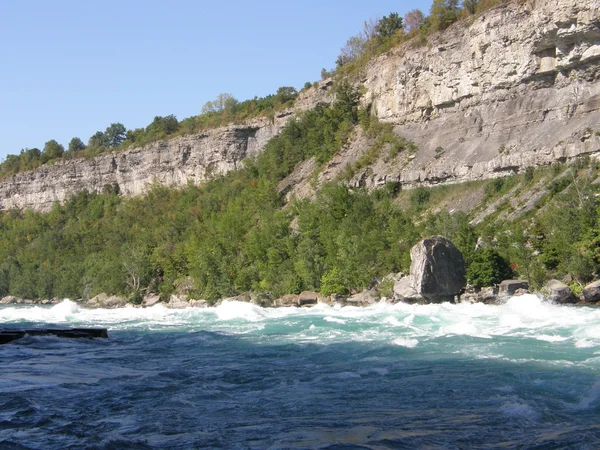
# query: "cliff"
517 86
174 162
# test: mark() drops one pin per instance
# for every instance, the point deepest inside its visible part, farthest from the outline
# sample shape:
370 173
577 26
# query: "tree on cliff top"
115 134
389 25
444 13
52 150
413 20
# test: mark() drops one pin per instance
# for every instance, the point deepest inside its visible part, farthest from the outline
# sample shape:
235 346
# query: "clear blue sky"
72 67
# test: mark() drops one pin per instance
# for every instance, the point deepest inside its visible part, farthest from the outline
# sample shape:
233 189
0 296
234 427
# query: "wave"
483 331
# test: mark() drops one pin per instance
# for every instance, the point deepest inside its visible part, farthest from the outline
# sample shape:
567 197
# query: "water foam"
519 409
447 327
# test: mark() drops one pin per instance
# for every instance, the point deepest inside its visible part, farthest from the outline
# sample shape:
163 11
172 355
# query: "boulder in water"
591 293
308 298
438 269
150 300
178 301
364 298
104 301
511 287
487 295
9 300
558 292
288 300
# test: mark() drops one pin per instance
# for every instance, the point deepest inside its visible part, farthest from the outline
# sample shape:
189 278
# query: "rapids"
525 374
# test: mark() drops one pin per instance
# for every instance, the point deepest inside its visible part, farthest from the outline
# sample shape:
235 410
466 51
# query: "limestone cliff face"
173 162
519 86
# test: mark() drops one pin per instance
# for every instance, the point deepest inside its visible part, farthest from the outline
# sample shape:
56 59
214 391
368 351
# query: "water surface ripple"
525 374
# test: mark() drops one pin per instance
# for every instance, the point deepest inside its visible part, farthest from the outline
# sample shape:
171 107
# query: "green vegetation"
487 268
234 234
230 235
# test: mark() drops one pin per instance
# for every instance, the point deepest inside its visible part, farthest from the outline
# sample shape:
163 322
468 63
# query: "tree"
223 102
98 140
444 13
470 5
389 25
167 125
413 20
488 268
285 94
52 150
353 49
75 146
29 159
115 134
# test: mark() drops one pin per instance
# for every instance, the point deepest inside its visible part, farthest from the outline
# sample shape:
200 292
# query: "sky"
71 67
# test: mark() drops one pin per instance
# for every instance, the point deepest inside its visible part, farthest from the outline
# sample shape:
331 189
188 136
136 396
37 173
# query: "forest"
237 234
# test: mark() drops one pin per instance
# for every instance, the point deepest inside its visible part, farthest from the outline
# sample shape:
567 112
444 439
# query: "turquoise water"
521 375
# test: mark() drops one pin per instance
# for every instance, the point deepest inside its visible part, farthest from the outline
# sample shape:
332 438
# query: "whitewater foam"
446 327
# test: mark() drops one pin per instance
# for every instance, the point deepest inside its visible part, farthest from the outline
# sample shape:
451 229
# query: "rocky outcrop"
517 87
437 269
175 162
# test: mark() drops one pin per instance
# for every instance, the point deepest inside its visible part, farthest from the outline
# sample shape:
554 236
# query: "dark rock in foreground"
438 269
10 335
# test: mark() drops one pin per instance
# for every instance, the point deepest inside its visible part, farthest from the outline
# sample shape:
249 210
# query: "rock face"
517 87
438 269
175 162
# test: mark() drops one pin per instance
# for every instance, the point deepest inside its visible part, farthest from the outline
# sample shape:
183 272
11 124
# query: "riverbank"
553 292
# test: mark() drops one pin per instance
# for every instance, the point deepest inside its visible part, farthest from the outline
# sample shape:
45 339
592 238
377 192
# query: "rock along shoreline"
554 292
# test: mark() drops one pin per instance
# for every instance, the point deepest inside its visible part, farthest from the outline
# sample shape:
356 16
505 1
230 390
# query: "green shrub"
488 268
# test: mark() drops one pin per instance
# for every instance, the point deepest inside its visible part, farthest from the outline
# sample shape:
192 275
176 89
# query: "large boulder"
558 292
591 293
438 269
